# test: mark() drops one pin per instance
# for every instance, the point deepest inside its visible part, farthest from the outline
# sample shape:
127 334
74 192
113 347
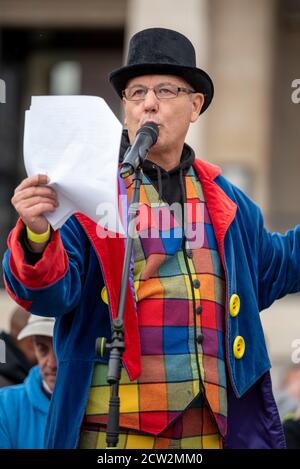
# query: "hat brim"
38 328
197 78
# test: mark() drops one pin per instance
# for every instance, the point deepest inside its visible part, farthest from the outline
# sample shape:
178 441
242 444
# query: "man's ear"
197 103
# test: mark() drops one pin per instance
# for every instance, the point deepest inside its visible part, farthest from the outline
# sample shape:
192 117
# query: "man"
290 390
291 428
195 369
19 356
24 407
288 394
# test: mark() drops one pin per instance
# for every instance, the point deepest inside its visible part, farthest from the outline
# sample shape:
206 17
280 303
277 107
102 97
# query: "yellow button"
234 305
104 295
239 347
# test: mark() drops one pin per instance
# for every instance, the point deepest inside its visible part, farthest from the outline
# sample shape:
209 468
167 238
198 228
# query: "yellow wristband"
39 238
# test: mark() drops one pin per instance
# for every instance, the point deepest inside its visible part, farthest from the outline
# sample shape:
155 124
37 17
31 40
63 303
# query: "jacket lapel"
110 252
221 208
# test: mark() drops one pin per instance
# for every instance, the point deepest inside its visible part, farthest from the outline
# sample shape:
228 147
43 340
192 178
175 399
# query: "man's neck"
167 161
46 389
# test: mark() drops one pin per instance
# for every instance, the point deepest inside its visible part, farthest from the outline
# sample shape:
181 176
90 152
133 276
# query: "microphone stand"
117 345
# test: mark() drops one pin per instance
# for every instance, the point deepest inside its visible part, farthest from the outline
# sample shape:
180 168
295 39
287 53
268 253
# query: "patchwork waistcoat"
180 292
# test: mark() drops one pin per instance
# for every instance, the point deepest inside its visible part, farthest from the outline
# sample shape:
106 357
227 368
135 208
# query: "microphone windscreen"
151 129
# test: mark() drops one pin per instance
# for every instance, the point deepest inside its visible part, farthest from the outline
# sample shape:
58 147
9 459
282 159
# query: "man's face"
46 358
173 116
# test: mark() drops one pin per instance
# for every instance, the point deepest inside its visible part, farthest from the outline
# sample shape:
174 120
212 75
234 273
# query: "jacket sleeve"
4 437
52 286
5 440
279 264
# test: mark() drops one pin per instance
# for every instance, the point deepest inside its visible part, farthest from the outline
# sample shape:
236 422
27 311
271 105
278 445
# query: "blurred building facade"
251 48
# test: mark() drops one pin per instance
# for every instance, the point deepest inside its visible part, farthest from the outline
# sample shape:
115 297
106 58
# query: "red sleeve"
49 269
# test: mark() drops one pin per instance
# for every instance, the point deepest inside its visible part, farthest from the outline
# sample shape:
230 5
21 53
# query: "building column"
242 45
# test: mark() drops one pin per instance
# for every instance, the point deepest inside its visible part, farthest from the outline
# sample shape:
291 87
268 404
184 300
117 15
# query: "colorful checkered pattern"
196 424
168 297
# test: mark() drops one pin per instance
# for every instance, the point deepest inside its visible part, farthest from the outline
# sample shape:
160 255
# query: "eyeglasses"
162 91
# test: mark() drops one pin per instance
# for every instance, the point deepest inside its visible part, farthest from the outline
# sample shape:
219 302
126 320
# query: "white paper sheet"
75 140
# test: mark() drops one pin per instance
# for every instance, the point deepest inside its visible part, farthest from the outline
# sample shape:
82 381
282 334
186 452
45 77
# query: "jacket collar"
221 208
34 391
206 169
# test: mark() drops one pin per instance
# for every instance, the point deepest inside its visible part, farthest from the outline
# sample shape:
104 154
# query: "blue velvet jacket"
259 266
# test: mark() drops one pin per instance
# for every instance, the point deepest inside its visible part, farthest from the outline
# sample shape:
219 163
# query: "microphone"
145 137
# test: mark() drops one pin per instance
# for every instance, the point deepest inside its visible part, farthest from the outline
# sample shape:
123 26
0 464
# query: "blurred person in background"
19 355
291 428
288 394
288 401
24 407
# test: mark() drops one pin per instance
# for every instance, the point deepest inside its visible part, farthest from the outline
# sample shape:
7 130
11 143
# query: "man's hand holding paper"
74 140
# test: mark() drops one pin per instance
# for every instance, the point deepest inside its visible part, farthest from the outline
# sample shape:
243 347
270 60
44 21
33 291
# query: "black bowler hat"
163 51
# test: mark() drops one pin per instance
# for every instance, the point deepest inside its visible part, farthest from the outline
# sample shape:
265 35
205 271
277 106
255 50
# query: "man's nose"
151 102
51 362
